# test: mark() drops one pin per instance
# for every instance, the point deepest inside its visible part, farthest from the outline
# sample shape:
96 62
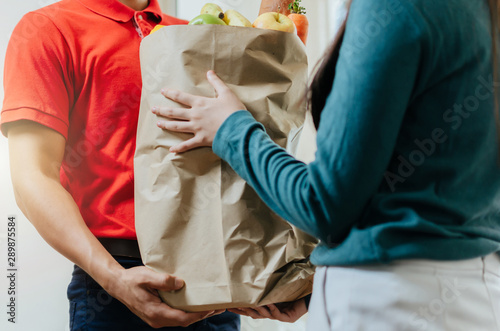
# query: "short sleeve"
37 83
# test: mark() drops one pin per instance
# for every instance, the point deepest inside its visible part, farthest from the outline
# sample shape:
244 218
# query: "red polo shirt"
74 67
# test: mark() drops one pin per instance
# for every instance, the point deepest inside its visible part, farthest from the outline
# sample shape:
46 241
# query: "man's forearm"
53 212
35 154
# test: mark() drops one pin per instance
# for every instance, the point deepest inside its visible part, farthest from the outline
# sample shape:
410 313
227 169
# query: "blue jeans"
92 308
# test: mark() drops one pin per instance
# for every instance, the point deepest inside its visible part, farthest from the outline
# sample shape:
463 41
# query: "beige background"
43 274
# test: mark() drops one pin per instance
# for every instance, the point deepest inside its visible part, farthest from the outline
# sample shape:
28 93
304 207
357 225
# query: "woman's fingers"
203 117
275 312
252 313
187 145
179 96
237 311
176 126
263 311
172 113
255 313
219 86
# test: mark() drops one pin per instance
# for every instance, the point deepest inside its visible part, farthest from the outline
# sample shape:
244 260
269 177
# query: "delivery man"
72 92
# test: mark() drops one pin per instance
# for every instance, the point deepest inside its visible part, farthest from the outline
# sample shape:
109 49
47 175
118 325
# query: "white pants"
408 295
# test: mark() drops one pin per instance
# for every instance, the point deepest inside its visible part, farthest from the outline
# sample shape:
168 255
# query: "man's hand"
137 289
284 312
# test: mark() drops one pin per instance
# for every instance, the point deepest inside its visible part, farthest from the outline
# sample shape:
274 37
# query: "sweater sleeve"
375 76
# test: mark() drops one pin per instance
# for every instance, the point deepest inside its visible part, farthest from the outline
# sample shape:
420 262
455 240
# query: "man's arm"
36 153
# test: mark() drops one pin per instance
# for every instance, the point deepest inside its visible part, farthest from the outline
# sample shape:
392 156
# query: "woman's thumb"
216 82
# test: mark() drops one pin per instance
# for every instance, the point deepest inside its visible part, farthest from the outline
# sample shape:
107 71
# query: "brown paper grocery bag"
195 217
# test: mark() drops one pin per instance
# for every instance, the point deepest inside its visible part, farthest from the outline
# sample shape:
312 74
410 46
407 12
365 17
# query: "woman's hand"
203 117
284 312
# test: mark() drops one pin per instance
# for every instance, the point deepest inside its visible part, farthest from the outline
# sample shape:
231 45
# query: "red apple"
274 21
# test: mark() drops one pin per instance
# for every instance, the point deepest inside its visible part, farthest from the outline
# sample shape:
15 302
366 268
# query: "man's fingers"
185 319
163 316
170 283
190 318
166 283
179 96
162 282
219 86
172 113
217 312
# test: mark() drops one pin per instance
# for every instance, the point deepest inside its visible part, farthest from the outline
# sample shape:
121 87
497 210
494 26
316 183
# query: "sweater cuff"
230 132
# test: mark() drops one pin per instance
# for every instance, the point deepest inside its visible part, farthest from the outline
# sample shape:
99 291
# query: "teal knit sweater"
407 160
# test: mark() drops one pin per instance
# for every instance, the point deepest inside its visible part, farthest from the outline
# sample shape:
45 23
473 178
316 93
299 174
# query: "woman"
404 191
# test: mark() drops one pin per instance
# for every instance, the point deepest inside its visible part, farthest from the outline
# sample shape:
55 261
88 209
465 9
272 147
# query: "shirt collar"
117 11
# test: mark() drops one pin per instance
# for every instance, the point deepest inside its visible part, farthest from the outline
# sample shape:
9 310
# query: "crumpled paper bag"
195 217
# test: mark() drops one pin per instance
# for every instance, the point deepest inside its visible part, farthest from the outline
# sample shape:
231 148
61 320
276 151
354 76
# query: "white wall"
43 274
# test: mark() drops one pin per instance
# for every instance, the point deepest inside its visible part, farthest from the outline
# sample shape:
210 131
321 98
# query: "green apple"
234 18
206 19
